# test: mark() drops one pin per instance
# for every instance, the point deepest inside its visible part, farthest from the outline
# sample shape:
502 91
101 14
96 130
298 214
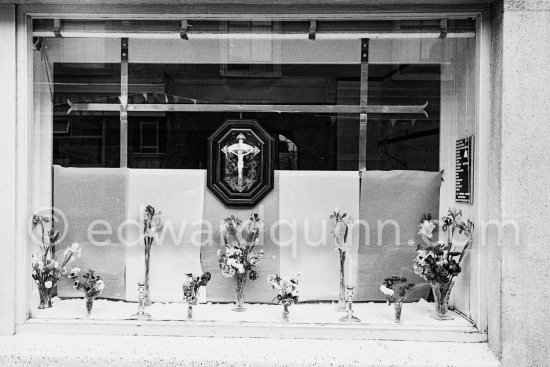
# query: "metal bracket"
184 28
124 49
57 28
312 29
37 43
365 50
443 29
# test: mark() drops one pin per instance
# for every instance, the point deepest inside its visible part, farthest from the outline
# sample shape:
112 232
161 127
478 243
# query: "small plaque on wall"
464 170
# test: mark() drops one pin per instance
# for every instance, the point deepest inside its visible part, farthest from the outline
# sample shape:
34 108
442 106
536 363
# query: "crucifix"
363 109
240 149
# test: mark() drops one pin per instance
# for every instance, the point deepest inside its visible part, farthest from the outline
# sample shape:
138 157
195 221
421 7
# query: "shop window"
363 124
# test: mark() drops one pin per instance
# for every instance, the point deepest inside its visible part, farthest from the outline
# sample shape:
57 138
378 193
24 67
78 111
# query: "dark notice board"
464 169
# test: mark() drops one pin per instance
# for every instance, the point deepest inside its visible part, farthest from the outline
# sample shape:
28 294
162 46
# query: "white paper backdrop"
306 200
179 194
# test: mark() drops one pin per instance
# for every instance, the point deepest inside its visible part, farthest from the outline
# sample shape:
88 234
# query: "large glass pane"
126 123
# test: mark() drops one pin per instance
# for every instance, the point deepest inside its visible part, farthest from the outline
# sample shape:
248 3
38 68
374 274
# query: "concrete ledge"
88 350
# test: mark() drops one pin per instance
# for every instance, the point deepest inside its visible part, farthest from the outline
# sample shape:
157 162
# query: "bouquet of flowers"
152 225
46 270
396 291
287 290
91 284
438 262
238 259
191 286
341 230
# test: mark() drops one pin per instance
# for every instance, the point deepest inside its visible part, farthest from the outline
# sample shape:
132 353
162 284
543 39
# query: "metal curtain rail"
210 107
229 29
270 36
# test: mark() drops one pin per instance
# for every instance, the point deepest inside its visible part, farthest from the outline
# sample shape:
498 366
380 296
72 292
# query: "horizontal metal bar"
271 36
206 107
239 10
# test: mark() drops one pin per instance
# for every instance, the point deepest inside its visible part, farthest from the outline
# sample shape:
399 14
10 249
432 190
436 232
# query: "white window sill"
307 321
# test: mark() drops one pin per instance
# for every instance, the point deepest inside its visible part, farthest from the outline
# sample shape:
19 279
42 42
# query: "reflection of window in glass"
86 141
403 142
250 57
86 138
288 153
327 141
148 142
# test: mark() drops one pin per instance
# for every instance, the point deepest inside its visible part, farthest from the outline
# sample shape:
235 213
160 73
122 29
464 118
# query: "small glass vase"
342 294
398 308
285 310
146 282
89 305
45 297
191 301
441 293
240 282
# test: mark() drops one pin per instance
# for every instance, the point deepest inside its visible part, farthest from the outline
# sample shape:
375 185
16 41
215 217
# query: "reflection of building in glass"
288 154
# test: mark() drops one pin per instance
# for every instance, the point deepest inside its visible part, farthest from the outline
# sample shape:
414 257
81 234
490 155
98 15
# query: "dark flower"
253 275
150 211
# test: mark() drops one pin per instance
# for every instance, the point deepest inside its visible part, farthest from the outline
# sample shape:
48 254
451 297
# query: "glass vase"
285 310
342 294
45 297
89 305
191 301
147 263
398 308
240 282
441 293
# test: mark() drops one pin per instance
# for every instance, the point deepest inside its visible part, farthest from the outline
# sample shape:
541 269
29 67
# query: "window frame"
29 184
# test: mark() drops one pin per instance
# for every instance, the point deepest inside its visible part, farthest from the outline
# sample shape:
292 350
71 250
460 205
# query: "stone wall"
521 155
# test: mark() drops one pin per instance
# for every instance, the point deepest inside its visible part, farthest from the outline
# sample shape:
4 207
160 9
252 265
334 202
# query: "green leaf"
346 234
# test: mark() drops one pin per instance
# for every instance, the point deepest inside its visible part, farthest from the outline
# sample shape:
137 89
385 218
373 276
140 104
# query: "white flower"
100 285
219 252
239 267
40 264
48 284
231 261
271 278
387 291
336 210
74 248
421 254
442 262
75 270
55 264
426 228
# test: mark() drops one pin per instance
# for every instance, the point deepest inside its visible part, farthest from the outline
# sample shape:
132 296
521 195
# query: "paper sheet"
307 199
85 195
179 194
392 197
222 289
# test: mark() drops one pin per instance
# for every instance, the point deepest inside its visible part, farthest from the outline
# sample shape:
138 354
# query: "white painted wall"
7 166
